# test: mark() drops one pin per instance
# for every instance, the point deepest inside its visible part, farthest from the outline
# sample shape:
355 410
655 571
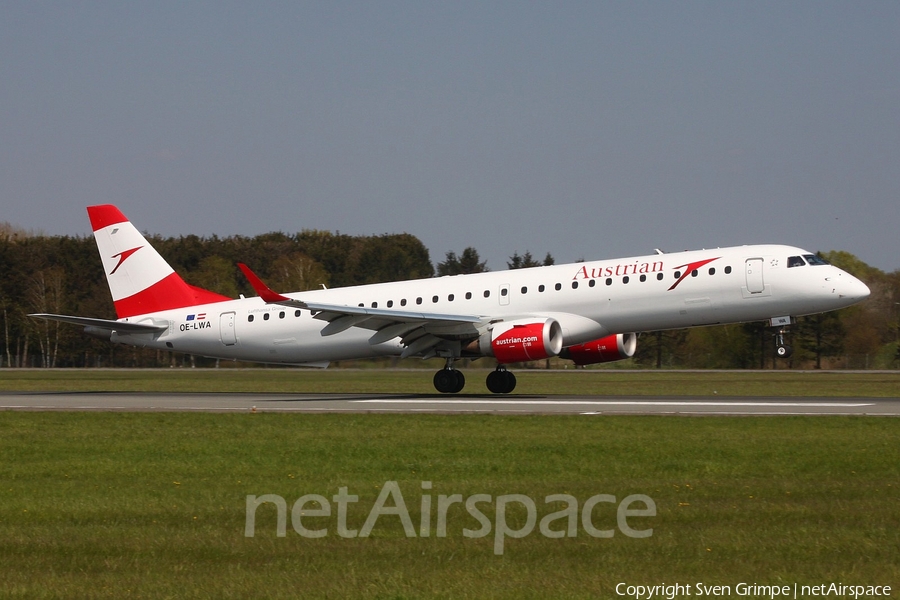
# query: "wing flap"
391 331
343 323
328 312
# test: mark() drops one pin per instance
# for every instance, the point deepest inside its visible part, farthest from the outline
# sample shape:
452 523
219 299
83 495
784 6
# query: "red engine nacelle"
608 349
523 340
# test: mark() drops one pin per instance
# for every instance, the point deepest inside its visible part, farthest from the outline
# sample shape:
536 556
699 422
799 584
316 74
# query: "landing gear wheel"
501 381
460 382
510 381
449 381
784 351
496 382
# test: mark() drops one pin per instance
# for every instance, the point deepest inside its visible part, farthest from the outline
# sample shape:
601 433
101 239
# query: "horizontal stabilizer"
119 326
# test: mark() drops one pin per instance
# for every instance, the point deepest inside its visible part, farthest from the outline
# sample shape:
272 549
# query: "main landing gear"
450 381
501 381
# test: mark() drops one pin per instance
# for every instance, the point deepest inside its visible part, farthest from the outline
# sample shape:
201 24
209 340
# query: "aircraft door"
504 294
755 283
226 329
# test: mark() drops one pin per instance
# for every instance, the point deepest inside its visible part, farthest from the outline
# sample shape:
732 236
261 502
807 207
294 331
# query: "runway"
446 404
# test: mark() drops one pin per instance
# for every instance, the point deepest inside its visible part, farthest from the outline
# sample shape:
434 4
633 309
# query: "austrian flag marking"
195 321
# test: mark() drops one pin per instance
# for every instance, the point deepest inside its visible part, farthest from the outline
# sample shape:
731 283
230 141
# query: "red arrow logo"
122 256
691 267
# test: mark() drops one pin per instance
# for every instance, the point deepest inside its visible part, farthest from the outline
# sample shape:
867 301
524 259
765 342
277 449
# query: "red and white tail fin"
140 280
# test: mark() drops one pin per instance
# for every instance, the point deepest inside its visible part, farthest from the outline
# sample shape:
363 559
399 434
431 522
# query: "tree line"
62 274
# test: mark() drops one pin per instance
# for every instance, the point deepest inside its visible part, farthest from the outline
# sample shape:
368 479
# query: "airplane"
588 312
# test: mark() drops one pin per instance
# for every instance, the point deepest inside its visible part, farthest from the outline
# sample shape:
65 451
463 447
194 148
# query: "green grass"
109 505
530 381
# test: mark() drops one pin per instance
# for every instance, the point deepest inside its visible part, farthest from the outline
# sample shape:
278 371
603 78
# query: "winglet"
262 290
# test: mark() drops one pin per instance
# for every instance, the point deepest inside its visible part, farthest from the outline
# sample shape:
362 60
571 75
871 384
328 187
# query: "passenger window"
574 285
418 301
643 278
487 293
297 313
609 281
450 298
677 274
625 279
558 286
390 303
727 270
403 302
694 273
434 299
592 283
468 295
266 317
712 271
659 276
504 292
281 315
541 288
524 290
249 318
374 305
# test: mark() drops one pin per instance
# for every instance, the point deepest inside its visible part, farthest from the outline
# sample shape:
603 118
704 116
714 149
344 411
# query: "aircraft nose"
852 288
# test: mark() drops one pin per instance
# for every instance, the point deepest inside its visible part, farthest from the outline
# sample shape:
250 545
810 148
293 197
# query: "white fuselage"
590 300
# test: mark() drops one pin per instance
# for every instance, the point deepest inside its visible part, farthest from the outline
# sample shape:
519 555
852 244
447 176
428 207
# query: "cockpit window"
815 260
795 261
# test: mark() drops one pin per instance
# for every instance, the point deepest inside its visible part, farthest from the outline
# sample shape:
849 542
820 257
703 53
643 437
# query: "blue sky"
586 129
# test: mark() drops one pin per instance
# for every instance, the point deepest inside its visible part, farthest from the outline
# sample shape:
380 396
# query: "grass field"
588 382
153 505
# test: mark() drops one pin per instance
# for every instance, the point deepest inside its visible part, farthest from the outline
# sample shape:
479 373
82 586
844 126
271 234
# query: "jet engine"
522 340
608 349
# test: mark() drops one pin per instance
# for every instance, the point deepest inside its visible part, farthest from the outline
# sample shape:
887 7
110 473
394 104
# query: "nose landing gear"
782 350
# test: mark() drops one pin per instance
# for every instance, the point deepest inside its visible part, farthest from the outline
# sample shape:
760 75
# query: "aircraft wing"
419 331
120 326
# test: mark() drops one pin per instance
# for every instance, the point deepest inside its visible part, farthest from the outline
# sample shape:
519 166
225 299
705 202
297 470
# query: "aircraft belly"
306 344
300 353
650 313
